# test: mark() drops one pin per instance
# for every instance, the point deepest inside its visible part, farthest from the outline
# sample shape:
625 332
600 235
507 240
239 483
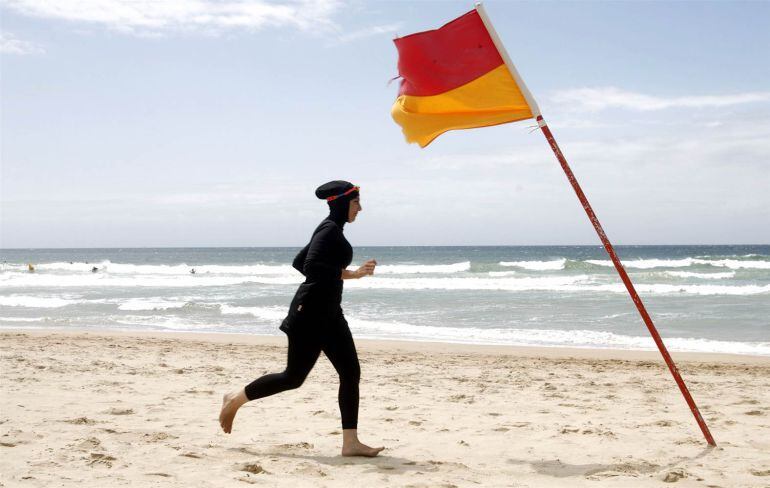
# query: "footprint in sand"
310 470
252 468
674 476
297 445
80 421
88 444
159 436
758 472
622 469
461 398
753 412
120 411
100 459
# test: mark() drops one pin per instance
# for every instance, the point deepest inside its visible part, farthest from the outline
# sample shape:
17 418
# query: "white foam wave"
97 280
734 263
576 283
646 263
500 274
161 321
683 263
546 337
107 266
22 319
666 289
537 265
136 304
704 276
579 283
265 313
554 283
422 268
34 302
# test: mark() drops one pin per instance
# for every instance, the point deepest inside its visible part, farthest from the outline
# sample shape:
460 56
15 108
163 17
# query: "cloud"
714 147
10 44
368 32
596 99
152 17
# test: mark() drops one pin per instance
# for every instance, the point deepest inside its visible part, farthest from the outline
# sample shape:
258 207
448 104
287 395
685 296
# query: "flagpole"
598 227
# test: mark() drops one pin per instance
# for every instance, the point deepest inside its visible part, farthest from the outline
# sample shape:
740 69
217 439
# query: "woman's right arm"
299 261
321 246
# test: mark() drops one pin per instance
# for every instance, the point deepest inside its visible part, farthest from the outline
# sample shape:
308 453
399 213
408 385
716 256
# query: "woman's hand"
366 269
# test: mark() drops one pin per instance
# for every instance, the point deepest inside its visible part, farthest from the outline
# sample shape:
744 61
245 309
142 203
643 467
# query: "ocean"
701 298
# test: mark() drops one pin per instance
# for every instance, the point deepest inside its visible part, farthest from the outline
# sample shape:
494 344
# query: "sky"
210 123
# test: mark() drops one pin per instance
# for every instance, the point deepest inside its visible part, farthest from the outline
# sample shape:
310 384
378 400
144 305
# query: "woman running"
315 321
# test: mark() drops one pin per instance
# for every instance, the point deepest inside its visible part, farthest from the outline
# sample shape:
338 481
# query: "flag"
455 77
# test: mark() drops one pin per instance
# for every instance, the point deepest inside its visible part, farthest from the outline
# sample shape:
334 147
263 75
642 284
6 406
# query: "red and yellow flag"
455 77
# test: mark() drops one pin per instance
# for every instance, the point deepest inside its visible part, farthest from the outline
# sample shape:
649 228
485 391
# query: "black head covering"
338 207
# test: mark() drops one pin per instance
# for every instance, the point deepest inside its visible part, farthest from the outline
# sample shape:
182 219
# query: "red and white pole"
626 280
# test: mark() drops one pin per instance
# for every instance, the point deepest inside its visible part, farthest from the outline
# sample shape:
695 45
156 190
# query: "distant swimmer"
192 271
94 269
31 268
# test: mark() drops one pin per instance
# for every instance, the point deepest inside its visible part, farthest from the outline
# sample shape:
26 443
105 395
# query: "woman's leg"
341 351
303 353
302 356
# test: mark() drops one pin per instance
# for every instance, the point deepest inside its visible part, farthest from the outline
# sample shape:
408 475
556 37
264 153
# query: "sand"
96 409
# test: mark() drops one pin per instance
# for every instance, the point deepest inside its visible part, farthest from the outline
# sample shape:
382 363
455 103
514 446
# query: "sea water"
701 298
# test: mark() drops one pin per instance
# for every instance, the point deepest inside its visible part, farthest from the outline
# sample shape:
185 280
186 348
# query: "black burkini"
315 321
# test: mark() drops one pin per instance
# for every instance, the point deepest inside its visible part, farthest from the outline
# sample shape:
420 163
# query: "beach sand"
96 409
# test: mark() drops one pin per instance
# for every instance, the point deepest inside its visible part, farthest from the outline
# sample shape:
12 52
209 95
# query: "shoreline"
411 346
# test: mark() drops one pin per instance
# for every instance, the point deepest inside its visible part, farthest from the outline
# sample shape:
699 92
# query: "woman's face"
354 208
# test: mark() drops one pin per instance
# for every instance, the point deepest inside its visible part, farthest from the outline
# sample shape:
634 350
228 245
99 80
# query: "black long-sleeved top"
322 262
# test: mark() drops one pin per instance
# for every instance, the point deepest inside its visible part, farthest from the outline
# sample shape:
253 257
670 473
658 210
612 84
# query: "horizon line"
384 245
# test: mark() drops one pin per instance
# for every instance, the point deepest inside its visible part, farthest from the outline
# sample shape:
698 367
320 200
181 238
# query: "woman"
315 321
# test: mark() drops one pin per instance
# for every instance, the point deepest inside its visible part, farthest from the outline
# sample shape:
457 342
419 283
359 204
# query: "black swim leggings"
337 343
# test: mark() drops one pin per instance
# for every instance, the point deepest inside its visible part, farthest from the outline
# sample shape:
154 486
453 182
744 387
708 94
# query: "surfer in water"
315 322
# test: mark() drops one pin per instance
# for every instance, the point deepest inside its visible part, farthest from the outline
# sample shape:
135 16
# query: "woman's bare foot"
231 402
351 446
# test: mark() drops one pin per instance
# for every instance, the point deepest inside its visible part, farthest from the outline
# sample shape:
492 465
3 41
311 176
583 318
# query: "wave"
23 319
735 263
547 337
537 265
107 266
646 263
137 304
506 284
705 276
684 263
246 269
35 302
559 283
97 280
265 313
423 268
162 322
579 283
